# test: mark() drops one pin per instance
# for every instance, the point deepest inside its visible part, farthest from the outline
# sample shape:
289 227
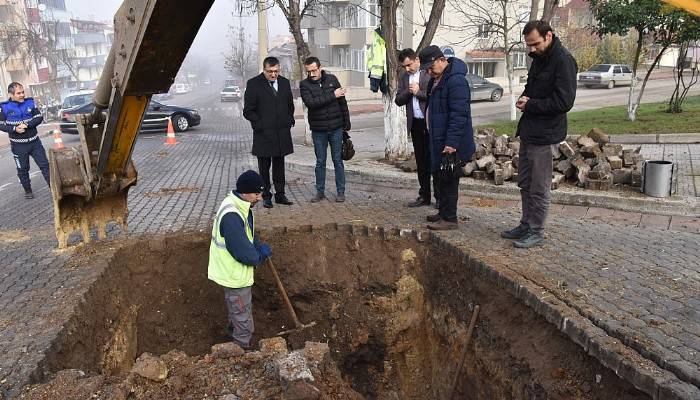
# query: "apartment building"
15 65
92 41
340 32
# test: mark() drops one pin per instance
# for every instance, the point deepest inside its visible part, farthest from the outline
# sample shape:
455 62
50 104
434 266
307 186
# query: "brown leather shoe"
433 218
443 225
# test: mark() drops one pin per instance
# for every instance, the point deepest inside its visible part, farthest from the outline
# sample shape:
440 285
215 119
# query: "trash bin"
657 178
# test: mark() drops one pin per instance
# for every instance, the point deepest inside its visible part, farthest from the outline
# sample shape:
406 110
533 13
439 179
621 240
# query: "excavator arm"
90 183
692 6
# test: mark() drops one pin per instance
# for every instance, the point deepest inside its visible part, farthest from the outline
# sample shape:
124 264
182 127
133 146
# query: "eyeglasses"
312 71
272 71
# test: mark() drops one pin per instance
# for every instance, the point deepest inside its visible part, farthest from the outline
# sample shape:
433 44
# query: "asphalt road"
206 100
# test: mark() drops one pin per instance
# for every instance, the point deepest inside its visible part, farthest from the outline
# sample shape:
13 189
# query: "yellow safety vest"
376 57
223 268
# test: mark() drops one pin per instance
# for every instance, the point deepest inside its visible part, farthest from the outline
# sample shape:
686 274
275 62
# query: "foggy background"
208 46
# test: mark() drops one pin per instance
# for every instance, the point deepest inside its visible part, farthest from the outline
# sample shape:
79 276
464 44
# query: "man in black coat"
413 93
328 118
549 94
269 106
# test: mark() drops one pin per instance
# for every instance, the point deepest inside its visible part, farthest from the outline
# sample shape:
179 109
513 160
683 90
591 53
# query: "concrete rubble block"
637 159
502 159
611 149
598 184
585 141
615 162
480 175
498 177
566 149
591 151
150 367
484 162
492 167
582 170
515 160
486 131
500 141
636 179
591 161
226 350
515 146
557 179
275 345
481 152
622 176
599 136
563 166
292 367
603 167
508 170
469 167
627 160
594 175
556 153
482 141
503 151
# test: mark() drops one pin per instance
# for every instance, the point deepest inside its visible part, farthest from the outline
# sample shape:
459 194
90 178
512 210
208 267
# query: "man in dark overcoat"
269 106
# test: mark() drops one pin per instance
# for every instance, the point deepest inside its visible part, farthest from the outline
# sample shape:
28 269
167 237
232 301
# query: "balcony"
338 37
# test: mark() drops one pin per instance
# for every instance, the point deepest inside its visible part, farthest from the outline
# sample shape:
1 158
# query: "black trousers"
448 194
278 180
421 148
21 153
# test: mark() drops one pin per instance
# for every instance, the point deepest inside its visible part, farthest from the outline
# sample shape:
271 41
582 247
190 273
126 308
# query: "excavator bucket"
78 207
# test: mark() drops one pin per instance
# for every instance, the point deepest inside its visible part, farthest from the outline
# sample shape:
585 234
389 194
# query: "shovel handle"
283 292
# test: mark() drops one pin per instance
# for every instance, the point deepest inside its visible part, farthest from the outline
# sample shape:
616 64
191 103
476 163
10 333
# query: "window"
617 70
626 70
519 60
484 31
340 57
372 13
357 61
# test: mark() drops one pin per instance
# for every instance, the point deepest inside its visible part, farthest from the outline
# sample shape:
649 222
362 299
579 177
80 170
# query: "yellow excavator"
90 184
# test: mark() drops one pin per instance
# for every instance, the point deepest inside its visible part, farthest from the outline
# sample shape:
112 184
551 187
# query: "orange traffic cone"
171 133
57 140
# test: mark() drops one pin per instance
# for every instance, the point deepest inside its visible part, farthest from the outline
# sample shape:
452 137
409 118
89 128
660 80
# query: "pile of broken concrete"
589 161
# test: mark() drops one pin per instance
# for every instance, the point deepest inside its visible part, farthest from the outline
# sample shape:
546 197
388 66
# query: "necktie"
272 85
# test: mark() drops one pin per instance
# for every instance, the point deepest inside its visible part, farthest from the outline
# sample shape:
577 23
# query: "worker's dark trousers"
278 179
240 315
535 182
21 153
447 195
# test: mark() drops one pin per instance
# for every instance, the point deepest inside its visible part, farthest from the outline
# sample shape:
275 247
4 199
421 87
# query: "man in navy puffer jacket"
19 117
449 124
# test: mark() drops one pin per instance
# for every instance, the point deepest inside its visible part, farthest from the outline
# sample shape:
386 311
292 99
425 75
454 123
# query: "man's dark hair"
407 53
11 88
312 60
542 27
270 62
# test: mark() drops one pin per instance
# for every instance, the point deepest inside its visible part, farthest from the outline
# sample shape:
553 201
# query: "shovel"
298 325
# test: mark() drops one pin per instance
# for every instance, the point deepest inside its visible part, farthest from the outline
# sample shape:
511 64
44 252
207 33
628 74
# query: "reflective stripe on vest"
223 268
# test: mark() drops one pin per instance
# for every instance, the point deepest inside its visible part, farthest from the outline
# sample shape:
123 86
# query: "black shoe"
28 194
516 233
443 225
433 218
418 202
531 239
282 199
267 203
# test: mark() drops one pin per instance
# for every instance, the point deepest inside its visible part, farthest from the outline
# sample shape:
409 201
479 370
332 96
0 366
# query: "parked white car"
606 75
231 93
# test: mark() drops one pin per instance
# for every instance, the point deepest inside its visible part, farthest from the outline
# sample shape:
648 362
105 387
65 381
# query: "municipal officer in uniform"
19 117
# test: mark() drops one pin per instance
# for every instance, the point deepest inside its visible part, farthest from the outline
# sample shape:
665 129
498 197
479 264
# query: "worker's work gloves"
265 251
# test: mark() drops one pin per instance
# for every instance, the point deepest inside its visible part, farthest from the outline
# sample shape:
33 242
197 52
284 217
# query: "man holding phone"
19 117
549 94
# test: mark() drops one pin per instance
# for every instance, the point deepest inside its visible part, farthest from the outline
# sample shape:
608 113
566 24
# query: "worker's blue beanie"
249 182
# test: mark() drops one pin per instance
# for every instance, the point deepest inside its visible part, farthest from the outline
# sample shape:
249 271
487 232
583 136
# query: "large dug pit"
393 309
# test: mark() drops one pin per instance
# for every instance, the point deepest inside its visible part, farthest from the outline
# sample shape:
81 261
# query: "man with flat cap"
449 122
235 252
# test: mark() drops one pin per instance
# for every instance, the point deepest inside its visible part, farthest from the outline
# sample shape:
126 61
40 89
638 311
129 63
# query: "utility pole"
262 32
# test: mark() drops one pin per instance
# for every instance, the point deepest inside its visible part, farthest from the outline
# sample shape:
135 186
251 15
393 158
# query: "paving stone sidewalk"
635 277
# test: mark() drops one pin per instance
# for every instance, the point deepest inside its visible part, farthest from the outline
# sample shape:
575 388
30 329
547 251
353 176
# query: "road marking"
5 185
34 173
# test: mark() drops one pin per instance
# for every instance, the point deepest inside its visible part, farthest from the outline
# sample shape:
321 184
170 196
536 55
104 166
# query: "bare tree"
396 141
241 59
499 25
683 83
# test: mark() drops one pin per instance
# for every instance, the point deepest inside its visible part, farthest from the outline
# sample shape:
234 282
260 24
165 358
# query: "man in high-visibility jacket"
376 62
235 252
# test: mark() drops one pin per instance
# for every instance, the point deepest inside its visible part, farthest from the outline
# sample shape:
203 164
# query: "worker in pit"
235 252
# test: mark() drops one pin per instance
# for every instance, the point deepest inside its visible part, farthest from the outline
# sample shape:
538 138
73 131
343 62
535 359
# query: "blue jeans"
321 141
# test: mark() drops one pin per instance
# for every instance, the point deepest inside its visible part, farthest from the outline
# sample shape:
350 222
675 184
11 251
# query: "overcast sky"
209 41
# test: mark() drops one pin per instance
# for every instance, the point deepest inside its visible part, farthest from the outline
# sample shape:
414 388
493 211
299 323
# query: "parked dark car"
482 89
155 120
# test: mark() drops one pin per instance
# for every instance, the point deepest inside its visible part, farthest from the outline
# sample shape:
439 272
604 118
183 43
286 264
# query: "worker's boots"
28 194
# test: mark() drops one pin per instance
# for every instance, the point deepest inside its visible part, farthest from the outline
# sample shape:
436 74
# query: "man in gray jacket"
413 93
